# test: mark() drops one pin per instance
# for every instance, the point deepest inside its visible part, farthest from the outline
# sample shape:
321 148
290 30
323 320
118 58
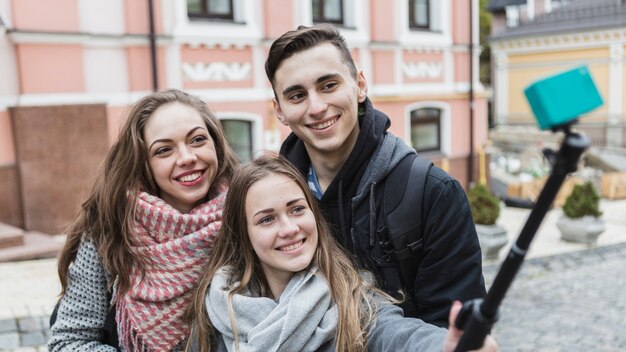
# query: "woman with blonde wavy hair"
135 252
278 281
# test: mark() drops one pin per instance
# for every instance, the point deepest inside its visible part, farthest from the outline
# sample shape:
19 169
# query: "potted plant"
485 210
581 221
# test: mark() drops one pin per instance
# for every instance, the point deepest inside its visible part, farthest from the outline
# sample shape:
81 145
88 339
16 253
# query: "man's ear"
362 85
279 112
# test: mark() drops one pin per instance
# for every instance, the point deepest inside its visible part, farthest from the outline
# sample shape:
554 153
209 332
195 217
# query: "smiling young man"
341 144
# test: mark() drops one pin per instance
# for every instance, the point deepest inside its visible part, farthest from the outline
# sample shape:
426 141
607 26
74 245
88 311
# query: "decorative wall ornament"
216 71
422 69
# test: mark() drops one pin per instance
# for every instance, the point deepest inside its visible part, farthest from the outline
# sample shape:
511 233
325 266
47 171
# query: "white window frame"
355 17
439 14
514 15
554 4
445 141
245 29
256 122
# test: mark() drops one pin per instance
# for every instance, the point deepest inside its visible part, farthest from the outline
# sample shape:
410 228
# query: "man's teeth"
292 247
324 124
191 177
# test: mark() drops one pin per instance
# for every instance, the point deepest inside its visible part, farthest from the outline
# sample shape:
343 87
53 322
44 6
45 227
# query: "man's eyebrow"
326 77
290 89
319 80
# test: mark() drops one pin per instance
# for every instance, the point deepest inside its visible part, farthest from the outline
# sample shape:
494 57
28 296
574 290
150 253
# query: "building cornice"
51 37
560 41
427 97
127 98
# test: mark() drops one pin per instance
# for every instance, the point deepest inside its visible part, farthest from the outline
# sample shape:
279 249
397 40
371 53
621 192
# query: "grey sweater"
83 309
393 332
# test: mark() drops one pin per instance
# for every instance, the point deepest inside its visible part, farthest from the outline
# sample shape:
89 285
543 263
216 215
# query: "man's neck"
328 164
327 167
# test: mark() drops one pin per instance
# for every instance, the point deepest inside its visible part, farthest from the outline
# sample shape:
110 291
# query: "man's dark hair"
302 39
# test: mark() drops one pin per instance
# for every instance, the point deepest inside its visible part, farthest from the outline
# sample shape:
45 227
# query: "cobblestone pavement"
568 302
28 291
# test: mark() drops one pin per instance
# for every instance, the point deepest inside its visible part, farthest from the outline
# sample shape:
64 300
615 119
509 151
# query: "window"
419 14
512 16
424 23
239 137
426 129
327 11
555 4
517 15
212 9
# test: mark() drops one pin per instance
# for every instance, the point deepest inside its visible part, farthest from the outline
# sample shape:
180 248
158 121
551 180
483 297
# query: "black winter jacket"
450 266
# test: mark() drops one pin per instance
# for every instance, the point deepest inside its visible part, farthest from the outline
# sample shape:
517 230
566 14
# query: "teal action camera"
562 98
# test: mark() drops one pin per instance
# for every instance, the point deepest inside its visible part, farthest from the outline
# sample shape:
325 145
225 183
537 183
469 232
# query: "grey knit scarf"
303 319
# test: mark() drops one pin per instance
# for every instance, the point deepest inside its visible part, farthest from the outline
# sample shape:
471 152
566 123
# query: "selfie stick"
557 102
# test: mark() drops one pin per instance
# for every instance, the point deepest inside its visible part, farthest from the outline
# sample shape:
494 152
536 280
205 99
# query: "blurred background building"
540 39
70 69
532 39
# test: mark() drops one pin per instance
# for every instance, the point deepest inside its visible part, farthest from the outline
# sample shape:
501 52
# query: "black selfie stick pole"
478 316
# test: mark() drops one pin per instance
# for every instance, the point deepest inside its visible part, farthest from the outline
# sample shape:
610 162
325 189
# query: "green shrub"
584 200
485 206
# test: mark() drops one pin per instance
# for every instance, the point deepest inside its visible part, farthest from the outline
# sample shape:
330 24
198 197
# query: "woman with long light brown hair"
278 281
135 252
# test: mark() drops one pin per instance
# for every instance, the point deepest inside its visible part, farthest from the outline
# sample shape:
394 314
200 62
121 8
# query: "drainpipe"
470 166
153 56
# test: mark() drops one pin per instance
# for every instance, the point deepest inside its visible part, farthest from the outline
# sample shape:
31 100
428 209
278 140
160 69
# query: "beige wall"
624 87
58 15
524 69
382 20
276 22
50 68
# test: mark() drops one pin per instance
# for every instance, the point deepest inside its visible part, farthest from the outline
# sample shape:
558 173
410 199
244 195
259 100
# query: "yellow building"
583 32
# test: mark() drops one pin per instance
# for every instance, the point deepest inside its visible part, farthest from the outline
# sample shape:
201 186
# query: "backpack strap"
403 196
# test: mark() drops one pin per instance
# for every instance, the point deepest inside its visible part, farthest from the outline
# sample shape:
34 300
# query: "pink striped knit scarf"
174 249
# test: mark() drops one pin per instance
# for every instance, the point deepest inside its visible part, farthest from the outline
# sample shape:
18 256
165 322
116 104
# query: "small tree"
484 205
584 200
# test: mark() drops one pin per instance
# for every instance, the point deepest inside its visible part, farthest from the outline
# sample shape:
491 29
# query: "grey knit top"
83 309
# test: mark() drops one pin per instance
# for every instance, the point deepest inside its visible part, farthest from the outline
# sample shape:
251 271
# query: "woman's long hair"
107 216
234 249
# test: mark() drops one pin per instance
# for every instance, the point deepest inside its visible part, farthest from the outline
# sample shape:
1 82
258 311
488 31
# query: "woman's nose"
288 228
186 156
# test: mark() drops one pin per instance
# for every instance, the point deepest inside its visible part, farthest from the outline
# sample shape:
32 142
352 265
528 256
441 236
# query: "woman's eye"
298 209
266 219
161 150
199 139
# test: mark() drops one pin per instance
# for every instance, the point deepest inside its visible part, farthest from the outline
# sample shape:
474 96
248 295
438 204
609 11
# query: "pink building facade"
71 68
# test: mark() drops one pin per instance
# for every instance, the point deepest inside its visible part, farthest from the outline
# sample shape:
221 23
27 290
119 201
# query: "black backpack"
400 225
